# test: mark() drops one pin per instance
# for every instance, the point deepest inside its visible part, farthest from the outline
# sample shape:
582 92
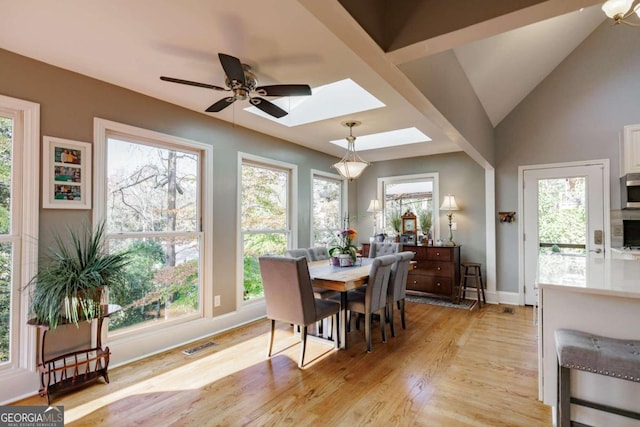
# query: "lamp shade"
374 206
449 203
613 8
350 169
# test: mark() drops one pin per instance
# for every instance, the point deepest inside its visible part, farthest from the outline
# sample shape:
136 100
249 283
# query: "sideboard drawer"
430 284
439 254
435 268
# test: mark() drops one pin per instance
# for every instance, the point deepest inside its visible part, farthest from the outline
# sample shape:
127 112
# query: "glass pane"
415 196
5 301
264 198
163 280
151 188
255 246
562 215
327 196
6 142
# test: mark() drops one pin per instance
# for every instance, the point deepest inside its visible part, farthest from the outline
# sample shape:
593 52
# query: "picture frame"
66 174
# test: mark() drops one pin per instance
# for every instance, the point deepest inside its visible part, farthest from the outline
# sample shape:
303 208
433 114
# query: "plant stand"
70 370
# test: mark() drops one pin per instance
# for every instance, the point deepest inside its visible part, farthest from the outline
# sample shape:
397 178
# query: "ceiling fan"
244 84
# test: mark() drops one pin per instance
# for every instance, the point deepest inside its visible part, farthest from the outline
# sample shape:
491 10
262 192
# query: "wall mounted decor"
66 174
507 216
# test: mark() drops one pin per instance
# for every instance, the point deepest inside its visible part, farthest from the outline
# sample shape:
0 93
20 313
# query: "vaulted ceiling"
505 49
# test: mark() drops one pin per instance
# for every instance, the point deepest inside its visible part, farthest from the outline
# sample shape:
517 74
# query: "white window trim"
101 128
344 192
22 374
292 217
419 176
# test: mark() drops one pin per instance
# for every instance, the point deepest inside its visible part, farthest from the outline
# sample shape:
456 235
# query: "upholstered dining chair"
375 298
383 248
289 298
318 253
397 290
295 253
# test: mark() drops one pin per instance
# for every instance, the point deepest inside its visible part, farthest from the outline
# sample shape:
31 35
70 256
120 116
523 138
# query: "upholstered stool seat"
583 351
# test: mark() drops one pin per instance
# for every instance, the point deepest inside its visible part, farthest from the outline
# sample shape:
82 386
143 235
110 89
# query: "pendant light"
351 166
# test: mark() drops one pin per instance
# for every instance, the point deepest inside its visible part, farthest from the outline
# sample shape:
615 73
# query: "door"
563 219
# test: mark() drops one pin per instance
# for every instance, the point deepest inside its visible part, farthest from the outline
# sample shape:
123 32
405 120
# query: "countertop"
605 276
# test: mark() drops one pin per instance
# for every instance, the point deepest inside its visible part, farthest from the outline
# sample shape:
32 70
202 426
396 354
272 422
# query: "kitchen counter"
600 296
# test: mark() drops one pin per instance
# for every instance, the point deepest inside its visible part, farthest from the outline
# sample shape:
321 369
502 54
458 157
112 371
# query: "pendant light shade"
351 166
620 10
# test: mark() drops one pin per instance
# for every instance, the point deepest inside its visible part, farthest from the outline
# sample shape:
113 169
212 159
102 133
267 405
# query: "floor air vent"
196 349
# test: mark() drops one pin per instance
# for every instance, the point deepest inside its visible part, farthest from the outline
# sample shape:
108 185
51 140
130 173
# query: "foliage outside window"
153 210
326 209
6 246
562 215
265 223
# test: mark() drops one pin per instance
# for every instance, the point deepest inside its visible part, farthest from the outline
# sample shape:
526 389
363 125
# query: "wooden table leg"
343 320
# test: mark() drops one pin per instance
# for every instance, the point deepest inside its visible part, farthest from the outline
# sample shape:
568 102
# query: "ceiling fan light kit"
240 80
620 10
351 166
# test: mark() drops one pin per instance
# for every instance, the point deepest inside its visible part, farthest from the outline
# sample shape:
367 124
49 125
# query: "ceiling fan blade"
284 90
221 105
232 68
190 83
268 107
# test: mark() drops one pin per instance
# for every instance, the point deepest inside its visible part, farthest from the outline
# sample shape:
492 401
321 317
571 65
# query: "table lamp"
449 204
374 207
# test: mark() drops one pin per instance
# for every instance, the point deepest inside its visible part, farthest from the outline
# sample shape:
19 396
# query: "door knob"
596 250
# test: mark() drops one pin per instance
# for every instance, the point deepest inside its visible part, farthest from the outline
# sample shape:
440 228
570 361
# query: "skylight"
332 100
391 138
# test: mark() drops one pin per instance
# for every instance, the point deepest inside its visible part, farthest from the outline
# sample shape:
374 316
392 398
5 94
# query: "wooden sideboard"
437 270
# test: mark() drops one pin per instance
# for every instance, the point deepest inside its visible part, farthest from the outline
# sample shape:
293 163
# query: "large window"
415 193
265 219
152 207
327 208
6 242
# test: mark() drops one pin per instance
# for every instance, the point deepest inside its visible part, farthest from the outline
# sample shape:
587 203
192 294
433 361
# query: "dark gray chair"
318 253
377 249
289 298
397 290
375 298
295 253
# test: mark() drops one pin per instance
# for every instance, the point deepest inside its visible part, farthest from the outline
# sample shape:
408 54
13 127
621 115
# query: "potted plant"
425 218
68 287
345 248
395 220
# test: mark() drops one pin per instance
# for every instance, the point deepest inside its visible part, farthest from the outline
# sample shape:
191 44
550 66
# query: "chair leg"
484 299
383 326
303 344
391 316
563 411
404 324
367 331
335 330
273 330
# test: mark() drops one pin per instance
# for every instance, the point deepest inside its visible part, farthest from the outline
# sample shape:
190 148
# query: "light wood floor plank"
449 368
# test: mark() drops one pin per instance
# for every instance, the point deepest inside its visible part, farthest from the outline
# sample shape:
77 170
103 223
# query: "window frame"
103 130
292 216
344 196
434 176
21 370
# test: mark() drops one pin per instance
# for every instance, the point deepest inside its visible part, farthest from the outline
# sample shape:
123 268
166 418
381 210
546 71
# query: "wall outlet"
216 301
454 226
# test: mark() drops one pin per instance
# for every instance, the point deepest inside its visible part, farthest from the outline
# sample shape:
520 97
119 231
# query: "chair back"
383 248
318 253
376 296
287 289
296 253
398 278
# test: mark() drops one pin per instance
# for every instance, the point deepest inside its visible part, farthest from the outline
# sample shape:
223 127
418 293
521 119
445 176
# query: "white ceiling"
131 43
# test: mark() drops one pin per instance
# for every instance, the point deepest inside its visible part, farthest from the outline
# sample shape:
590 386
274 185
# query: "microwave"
630 191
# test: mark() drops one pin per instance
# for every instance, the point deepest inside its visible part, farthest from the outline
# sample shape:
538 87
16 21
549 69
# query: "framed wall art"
66 174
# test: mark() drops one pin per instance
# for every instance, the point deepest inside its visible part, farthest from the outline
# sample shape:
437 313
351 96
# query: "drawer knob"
438 268
438 284
438 253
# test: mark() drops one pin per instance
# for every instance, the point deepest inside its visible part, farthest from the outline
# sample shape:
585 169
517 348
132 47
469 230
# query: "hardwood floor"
450 367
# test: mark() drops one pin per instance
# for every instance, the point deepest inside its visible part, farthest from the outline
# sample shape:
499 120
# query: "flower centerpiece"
345 246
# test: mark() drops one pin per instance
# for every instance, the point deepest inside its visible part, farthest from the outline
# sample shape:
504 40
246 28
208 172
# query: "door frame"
606 194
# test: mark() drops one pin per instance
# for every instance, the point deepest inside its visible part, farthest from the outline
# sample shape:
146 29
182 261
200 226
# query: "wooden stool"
599 355
472 270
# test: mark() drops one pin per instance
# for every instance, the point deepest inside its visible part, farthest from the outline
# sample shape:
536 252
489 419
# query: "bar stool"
473 271
599 355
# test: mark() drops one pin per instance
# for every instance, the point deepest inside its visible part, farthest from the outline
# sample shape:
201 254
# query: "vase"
345 260
335 261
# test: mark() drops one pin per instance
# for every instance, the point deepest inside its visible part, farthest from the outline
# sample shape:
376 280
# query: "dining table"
341 279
